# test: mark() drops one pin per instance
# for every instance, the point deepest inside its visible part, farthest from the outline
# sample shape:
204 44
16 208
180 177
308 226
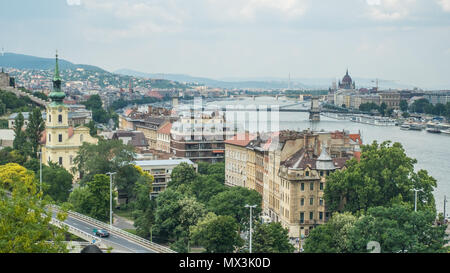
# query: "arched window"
60 119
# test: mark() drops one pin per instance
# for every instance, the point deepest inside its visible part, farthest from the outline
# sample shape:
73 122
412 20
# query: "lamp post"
250 243
110 197
40 171
415 198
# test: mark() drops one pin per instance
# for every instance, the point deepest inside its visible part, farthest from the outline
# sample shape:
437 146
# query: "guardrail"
78 232
122 233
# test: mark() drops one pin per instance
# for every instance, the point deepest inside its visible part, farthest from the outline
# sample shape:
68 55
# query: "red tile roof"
356 138
165 129
241 139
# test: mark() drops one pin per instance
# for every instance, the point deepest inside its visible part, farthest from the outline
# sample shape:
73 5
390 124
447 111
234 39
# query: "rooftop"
169 162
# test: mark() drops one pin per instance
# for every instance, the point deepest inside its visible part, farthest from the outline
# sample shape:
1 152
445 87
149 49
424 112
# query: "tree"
93 199
271 238
205 187
331 237
182 174
57 182
174 214
92 128
382 109
35 127
398 229
20 139
383 177
232 202
24 219
190 212
105 156
217 234
403 105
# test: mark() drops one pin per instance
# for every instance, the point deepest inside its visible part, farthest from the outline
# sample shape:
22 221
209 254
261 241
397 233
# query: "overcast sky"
403 40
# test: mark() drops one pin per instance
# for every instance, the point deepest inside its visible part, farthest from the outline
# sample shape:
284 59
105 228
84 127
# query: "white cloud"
445 4
389 10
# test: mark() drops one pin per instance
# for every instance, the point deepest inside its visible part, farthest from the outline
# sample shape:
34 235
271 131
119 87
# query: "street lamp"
415 198
251 207
40 171
110 197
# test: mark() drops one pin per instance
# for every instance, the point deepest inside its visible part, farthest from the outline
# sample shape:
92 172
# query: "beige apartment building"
236 155
293 167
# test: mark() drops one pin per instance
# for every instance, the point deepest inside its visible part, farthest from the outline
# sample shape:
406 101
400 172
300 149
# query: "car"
101 232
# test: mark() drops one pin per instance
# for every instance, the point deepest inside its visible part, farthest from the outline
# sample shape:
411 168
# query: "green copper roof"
57 95
56 76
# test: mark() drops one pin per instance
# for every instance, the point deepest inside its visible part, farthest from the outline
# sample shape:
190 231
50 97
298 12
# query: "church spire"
57 95
56 76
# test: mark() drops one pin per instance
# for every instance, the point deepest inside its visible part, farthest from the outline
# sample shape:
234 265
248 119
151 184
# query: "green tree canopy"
35 127
182 174
271 238
103 157
217 234
396 229
384 176
24 220
57 182
93 199
232 202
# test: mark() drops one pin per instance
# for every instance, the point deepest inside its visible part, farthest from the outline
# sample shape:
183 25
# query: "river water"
432 151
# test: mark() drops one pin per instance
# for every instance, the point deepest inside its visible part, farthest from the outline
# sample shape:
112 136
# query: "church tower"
57 119
61 142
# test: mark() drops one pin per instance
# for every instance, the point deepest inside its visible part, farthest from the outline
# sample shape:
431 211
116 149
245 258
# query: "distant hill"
239 84
264 82
20 61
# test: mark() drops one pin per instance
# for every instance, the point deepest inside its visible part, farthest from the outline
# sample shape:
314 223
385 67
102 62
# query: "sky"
407 41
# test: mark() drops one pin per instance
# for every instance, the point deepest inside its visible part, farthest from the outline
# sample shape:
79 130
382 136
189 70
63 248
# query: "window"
321 201
321 173
302 202
60 119
49 118
311 186
302 185
321 186
307 173
81 138
71 159
49 137
60 137
302 217
311 201
320 215
311 215
60 161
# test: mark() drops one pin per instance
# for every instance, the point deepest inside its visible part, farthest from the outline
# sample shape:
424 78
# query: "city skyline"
400 40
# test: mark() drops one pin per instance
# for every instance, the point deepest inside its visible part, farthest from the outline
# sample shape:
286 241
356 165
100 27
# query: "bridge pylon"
314 112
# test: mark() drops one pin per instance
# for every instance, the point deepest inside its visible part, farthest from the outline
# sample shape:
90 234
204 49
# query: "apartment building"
200 136
161 170
237 161
290 171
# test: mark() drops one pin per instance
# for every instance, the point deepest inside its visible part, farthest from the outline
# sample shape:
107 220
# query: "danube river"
432 151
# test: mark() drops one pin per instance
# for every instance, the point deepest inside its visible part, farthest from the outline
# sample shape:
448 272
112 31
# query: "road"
117 242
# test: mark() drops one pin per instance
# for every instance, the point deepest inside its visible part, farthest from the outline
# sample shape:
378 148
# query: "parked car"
101 232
